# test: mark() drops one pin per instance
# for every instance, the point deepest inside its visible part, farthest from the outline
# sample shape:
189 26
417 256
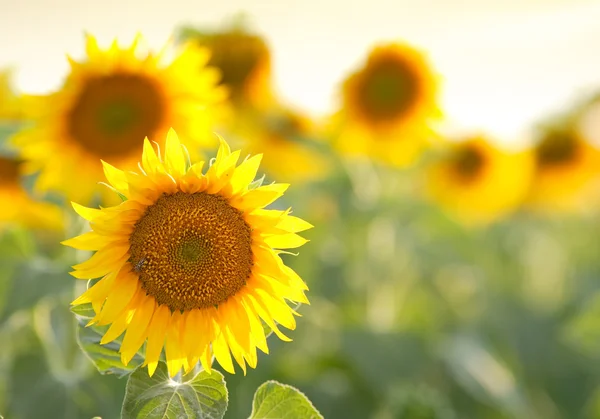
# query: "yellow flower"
16 207
190 260
289 137
388 106
107 104
478 182
244 61
566 171
10 104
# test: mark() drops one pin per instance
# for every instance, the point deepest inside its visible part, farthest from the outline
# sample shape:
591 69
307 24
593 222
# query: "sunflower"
244 61
290 138
17 207
566 170
478 182
190 260
388 106
107 104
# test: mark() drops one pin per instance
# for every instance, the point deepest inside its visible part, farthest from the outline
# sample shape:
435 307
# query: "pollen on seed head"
196 250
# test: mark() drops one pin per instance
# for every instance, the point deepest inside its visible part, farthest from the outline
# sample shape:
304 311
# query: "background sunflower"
479 182
567 166
106 107
388 106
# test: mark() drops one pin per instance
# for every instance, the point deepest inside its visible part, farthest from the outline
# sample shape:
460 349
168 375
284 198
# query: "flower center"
468 163
9 171
388 89
556 148
114 113
237 56
191 250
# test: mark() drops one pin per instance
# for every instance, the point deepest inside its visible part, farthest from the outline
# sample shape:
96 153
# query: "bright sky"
505 63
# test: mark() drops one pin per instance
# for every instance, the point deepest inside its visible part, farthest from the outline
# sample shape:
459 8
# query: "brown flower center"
557 148
468 162
237 56
114 113
387 89
191 250
9 171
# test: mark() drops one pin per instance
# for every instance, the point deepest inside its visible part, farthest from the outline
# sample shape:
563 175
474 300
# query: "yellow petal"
136 331
260 309
116 178
245 173
87 241
176 359
277 286
285 241
91 46
97 293
107 255
126 287
268 261
277 309
221 350
157 330
196 336
220 173
237 333
102 262
150 161
206 359
121 322
241 329
117 328
174 158
294 277
256 327
265 220
85 212
293 224
259 197
224 149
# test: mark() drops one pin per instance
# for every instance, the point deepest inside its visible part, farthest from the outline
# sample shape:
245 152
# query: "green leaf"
274 400
202 397
8 129
256 183
106 358
30 281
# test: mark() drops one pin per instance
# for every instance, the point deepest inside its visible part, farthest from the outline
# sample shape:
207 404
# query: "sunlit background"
504 63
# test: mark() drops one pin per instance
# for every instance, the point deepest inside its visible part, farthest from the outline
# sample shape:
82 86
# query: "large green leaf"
106 358
274 400
204 396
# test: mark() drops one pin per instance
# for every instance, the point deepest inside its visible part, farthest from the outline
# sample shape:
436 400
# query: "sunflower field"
179 241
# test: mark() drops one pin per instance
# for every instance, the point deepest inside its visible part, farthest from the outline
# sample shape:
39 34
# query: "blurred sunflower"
11 108
244 61
388 106
107 105
567 169
289 136
587 120
16 207
478 182
189 260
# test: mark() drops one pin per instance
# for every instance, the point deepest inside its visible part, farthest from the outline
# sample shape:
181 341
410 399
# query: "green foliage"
106 358
203 396
274 400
